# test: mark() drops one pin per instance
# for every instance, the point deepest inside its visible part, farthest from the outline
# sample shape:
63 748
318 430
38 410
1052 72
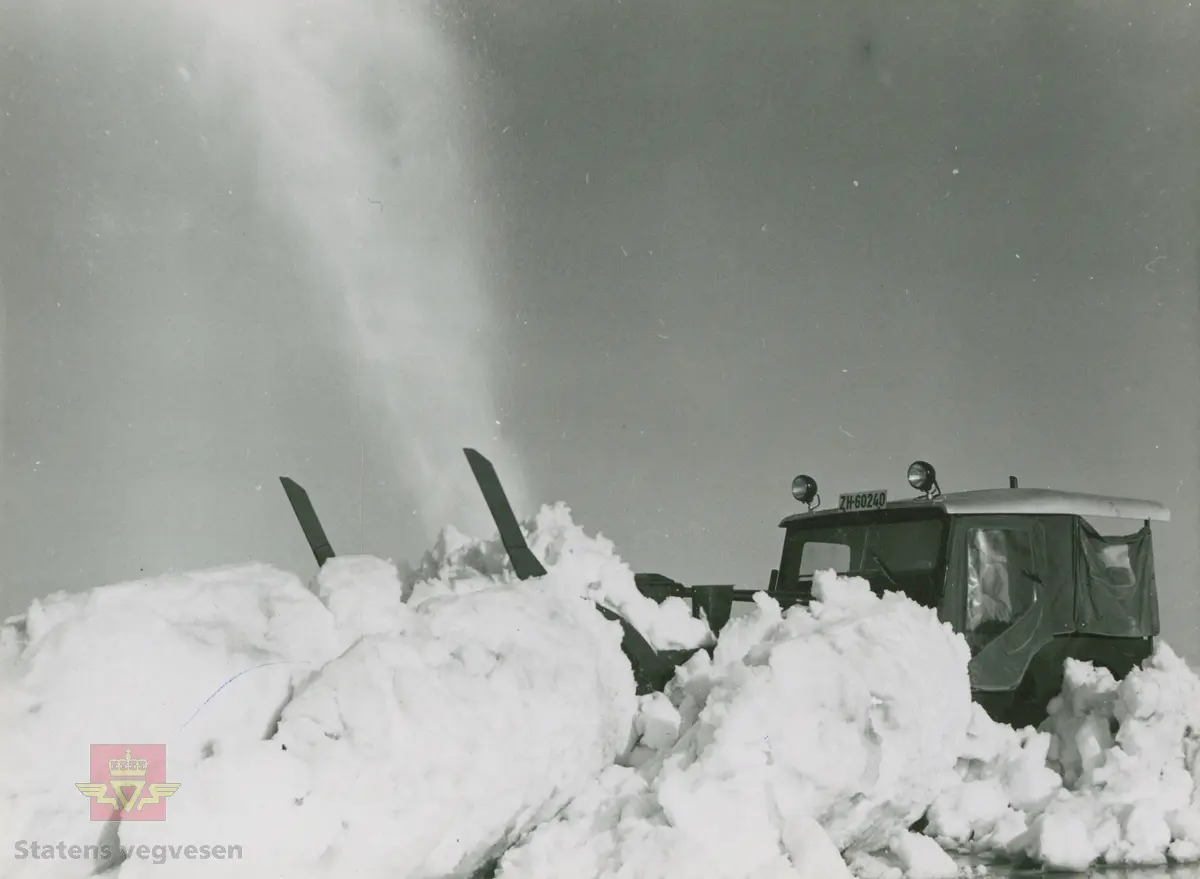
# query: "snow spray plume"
359 115
3 375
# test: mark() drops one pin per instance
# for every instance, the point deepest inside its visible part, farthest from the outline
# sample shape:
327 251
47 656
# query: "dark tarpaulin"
1115 590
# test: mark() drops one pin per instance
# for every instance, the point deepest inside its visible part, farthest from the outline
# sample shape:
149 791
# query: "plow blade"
652 669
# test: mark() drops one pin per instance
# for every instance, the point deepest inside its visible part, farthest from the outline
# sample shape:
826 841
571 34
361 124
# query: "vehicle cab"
1021 573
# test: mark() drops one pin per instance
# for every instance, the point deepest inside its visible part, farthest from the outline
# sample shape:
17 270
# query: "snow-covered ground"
424 722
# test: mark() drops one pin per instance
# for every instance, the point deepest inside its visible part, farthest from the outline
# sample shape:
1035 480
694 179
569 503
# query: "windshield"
904 554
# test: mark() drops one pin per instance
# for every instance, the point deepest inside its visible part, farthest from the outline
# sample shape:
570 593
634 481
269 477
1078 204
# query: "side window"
819 556
1118 567
999 588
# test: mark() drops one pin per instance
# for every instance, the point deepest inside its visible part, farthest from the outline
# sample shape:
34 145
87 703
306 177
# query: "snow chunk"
922 858
655 728
811 851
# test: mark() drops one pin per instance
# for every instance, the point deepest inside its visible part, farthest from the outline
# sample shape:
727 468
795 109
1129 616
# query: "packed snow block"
655 727
829 729
192 661
424 751
1081 720
922 858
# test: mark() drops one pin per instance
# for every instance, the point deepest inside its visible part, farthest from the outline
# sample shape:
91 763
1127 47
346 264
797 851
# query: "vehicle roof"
1020 501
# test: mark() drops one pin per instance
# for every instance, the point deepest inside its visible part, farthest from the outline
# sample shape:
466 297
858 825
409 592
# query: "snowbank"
828 728
409 724
1113 777
424 751
1146 777
196 661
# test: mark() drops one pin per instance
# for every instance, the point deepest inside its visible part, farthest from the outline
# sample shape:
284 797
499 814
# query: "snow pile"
196 661
391 724
1113 776
829 728
1132 797
589 566
425 751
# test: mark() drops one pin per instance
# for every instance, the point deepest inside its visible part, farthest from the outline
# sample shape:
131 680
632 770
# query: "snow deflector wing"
525 563
309 523
652 670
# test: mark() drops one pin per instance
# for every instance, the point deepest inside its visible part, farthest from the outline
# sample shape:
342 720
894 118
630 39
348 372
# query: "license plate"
862 500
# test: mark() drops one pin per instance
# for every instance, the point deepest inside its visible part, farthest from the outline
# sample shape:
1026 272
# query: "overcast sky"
654 258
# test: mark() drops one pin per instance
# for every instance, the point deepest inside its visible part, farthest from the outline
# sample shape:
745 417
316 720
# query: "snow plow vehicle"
1021 573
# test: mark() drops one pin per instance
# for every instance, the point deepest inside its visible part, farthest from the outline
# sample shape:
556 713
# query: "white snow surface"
399 725
825 729
422 751
197 661
1112 777
421 722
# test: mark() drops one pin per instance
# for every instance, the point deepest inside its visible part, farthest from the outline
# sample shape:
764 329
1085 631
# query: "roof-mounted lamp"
804 489
923 478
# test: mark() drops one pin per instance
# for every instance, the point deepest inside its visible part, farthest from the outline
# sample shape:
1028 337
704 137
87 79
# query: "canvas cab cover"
1115 592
